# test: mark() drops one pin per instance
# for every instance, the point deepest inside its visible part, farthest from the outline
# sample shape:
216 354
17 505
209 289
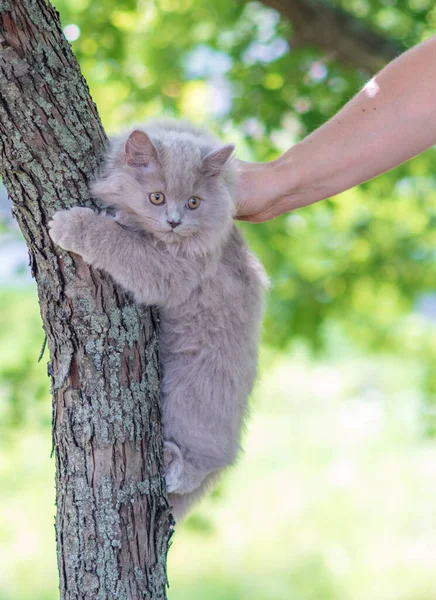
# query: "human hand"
262 194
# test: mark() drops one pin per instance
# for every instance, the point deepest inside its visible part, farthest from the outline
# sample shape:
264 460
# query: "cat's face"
175 189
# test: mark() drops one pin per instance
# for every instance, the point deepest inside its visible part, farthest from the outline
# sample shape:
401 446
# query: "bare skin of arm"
392 119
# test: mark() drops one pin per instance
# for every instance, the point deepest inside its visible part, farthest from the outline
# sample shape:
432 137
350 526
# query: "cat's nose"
174 224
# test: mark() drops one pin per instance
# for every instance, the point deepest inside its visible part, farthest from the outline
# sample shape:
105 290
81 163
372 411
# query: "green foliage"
24 386
405 20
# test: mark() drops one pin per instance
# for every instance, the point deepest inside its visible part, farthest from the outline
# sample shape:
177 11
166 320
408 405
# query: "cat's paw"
173 465
67 227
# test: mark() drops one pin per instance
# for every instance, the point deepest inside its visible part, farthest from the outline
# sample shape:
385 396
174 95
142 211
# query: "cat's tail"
181 503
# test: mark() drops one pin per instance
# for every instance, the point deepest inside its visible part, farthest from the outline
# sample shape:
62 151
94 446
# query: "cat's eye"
156 198
193 202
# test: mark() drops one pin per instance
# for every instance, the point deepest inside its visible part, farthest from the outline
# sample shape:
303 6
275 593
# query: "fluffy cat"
171 242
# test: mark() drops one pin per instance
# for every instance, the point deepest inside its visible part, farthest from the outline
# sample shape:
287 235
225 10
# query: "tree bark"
336 32
113 521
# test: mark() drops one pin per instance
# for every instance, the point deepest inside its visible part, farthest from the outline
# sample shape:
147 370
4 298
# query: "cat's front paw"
67 228
173 465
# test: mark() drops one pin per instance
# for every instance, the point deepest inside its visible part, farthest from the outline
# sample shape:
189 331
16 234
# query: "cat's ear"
139 150
214 162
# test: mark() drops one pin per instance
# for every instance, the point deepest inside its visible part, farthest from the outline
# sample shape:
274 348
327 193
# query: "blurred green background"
335 498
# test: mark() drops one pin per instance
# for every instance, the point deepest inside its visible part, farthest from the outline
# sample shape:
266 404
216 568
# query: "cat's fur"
200 274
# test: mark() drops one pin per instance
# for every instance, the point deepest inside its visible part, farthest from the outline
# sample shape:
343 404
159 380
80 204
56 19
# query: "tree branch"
337 33
113 522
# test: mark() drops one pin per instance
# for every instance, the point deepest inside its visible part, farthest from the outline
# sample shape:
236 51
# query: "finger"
259 218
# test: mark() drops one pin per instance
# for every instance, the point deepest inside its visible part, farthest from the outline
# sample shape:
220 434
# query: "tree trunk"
339 34
113 522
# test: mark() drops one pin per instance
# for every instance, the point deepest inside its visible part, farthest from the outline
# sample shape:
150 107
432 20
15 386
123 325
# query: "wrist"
304 175
289 174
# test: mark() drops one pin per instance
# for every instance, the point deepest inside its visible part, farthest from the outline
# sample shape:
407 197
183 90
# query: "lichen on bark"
113 522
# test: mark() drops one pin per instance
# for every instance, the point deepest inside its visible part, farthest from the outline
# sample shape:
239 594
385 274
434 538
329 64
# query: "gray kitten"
172 243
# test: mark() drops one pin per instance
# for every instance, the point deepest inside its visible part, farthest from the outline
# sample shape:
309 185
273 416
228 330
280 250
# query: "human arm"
392 119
